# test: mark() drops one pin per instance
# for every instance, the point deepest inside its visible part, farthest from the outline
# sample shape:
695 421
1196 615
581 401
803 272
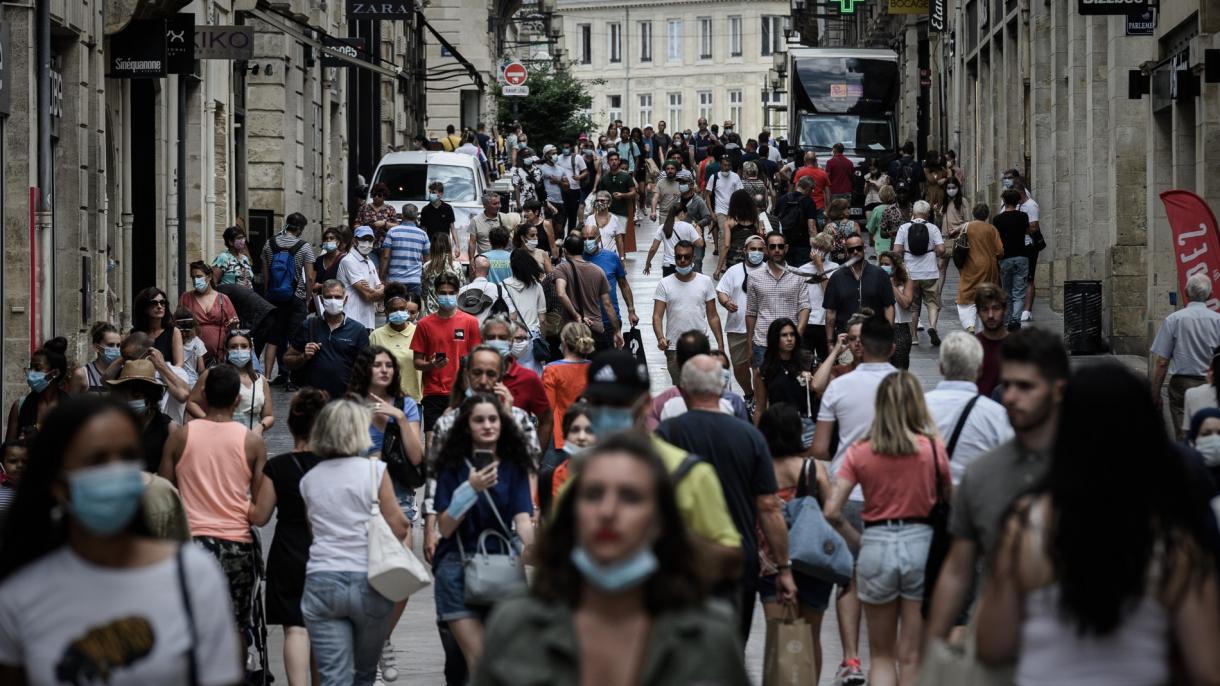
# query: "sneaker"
933 336
850 673
387 664
1027 316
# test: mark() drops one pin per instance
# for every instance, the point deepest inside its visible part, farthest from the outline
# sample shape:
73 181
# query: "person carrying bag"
394 571
492 576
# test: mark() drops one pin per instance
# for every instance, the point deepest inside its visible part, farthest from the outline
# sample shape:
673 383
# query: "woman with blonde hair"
878 240
564 379
902 466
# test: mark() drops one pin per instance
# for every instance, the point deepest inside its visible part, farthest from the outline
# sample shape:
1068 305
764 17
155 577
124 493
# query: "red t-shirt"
527 390
455 336
896 486
820 182
840 171
989 375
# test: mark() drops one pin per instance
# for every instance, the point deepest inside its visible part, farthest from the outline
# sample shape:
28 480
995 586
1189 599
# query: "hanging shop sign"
180 44
1142 24
224 42
352 47
138 51
908 6
1112 6
936 14
380 9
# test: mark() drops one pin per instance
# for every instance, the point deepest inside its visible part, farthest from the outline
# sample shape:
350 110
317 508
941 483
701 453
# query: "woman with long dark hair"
781 378
482 484
440 261
78 567
48 380
528 237
255 409
151 314
904 294
280 492
741 223
952 215
1108 558
619 597
525 286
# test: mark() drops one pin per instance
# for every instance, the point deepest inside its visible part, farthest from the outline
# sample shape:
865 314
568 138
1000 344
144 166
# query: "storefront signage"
936 14
224 42
180 44
138 52
1142 24
380 9
1112 6
352 47
908 6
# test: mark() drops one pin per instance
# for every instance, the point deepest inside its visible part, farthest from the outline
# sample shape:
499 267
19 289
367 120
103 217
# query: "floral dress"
428 289
234 269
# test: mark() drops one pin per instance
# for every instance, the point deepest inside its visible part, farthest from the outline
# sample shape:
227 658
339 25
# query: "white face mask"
364 247
952 192
332 305
1209 447
531 243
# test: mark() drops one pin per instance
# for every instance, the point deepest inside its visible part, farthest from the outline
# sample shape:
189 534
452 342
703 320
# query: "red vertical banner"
1196 242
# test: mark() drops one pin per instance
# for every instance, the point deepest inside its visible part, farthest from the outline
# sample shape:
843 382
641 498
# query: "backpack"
918 239
792 219
475 300
282 272
906 173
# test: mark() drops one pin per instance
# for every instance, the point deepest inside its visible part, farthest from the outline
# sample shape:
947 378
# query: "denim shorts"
891 562
449 589
759 352
406 500
813 592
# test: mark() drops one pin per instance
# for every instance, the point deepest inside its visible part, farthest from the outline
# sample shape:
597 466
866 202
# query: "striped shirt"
769 298
409 248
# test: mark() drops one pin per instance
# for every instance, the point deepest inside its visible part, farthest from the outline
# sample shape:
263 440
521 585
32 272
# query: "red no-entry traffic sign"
515 74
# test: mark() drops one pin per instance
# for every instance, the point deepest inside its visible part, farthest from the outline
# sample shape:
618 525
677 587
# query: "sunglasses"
776 246
157 303
858 248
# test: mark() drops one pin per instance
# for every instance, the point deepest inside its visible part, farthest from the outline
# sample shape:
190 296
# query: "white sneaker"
387 664
1027 316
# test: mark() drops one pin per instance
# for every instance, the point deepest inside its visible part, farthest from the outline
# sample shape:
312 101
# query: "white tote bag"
394 571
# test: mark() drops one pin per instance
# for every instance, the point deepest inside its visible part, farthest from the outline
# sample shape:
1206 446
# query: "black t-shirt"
738 453
250 306
846 295
1013 225
809 211
331 367
436 220
154 438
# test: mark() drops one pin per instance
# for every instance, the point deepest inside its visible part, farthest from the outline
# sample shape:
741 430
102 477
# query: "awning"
302 32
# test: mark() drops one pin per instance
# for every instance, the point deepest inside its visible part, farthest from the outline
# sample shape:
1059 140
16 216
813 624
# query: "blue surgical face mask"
755 257
608 420
239 358
105 498
330 246
591 246
398 318
620 576
1007 183
37 381
889 268
683 187
137 405
446 302
433 197
504 347
683 271
109 354
201 284
727 376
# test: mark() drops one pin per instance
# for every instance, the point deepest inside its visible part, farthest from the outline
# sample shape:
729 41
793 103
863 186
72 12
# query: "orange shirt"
214 480
564 381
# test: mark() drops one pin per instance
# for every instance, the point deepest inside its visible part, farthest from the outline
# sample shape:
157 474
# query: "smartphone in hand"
482 458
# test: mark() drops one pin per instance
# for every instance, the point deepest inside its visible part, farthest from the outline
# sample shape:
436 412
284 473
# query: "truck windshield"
410 181
862 134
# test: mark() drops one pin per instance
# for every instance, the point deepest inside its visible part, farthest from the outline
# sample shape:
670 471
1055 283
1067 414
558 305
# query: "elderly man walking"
1184 346
971 424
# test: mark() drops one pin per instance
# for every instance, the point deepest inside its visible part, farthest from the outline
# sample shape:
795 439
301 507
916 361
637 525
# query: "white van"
408 175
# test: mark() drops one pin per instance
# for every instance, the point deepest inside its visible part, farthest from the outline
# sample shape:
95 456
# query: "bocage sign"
908 6
1112 6
380 9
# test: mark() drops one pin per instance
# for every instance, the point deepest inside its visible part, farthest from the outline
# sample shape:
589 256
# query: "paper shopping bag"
788 653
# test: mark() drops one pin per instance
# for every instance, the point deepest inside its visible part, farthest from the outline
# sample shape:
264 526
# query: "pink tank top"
214 480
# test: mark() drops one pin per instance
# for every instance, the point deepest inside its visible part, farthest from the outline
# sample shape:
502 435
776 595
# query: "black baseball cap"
615 377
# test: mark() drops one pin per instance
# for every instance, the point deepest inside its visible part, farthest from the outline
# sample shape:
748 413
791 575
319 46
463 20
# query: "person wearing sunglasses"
150 314
859 285
377 214
774 293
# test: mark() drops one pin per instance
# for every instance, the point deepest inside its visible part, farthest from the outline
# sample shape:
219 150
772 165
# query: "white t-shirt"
1030 208
730 285
683 231
608 232
723 187
817 313
773 153
355 267
851 401
685 304
170 405
493 290
338 496
572 165
65 620
921 267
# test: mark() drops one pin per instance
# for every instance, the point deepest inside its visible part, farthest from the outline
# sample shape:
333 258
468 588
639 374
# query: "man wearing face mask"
438 217
616 276
555 182
526 179
575 171
358 274
684 301
731 292
524 385
621 186
289 312
323 349
666 191
697 213
441 340
584 291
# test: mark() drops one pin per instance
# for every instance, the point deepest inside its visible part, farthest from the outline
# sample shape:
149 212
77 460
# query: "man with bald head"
480 297
739 454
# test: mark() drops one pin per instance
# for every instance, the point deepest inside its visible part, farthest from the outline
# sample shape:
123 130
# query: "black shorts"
287 318
1033 265
434 406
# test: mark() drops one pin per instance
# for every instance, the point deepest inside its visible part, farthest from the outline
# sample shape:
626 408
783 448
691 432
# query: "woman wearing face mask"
564 380
577 437
440 261
674 229
336 242
617 585
140 389
876 238
47 377
526 237
401 314
78 567
757 187
233 265
904 292
254 406
89 377
731 293
819 263
742 223
1205 396
213 311
894 216
607 224
782 379
954 213
150 314
1204 435
482 484
935 175
525 286
874 181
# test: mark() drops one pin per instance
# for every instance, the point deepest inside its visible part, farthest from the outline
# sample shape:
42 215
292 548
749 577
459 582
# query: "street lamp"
779 59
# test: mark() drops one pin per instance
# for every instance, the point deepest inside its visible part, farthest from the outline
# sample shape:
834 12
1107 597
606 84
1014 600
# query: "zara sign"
380 9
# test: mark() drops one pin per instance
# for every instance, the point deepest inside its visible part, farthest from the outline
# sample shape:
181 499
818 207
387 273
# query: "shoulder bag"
394 571
938 517
814 547
961 248
394 454
491 577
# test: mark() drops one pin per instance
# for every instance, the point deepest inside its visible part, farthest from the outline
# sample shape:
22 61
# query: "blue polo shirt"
331 367
408 248
609 263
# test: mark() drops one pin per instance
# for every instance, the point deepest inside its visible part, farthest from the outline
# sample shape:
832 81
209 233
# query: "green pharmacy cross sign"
846 6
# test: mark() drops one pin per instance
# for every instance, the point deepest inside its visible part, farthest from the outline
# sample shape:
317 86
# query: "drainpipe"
182 272
45 176
123 253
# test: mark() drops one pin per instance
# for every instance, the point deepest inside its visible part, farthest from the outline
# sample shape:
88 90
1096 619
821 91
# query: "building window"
586 43
615 32
645 41
734 36
705 105
675 111
674 42
735 102
773 34
645 109
705 38
614 107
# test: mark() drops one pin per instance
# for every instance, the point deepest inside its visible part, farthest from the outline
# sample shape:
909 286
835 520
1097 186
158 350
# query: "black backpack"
918 239
792 218
906 173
